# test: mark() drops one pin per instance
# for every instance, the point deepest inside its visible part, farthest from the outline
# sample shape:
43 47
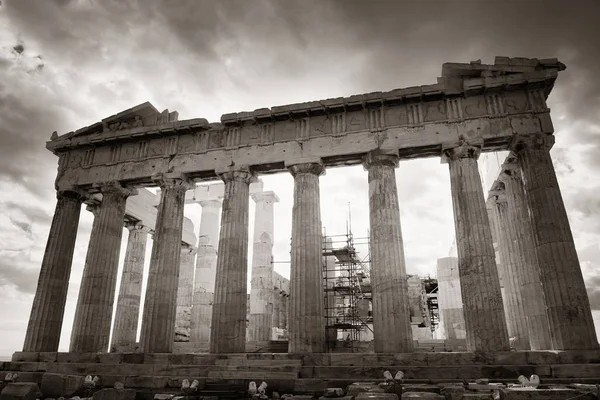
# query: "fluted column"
158 322
514 306
228 324
128 303
261 284
568 307
276 320
93 315
283 312
391 316
523 252
306 317
45 320
480 286
185 289
206 269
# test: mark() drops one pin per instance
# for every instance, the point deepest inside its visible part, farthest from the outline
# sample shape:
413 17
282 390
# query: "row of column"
546 301
567 306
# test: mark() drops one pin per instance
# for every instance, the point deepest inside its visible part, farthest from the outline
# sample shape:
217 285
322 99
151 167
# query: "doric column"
228 324
480 286
275 323
45 320
514 307
568 307
128 304
206 269
261 284
158 322
523 254
283 311
185 291
391 316
306 317
93 315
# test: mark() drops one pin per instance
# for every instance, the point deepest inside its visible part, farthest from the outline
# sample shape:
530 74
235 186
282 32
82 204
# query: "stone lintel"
536 140
268 196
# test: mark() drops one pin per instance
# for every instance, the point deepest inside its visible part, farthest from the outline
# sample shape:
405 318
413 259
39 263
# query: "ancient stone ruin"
194 329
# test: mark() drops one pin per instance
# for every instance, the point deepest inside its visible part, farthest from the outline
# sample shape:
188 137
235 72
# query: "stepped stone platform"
305 373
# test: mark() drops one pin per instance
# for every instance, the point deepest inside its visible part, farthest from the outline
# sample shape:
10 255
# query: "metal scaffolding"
347 286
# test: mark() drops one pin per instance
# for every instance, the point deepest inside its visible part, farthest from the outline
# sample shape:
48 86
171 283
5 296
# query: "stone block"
76 358
48 356
420 395
109 358
453 392
338 398
421 388
56 385
115 394
333 392
132 358
478 396
544 394
22 356
375 395
361 387
21 391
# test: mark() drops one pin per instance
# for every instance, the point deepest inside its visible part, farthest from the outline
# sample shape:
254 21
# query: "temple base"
304 373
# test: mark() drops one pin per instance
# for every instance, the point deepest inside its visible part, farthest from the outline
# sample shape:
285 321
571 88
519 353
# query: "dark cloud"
24 226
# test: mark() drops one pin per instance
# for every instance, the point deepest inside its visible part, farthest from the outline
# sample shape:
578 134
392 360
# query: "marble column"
306 309
160 305
480 285
568 307
206 269
228 323
391 316
283 312
185 290
45 320
514 307
128 303
276 320
492 212
450 299
93 315
261 284
523 253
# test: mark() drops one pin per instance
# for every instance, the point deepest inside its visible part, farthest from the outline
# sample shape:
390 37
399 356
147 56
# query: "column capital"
94 208
73 193
381 157
214 203
136 226
537 141
115 187
186 247
242 175
173 181
498 195
265 197
464 148
315 168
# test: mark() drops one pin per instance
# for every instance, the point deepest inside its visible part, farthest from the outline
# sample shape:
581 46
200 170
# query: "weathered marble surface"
128 302
45 320
480 284
93 314
391 317
306 309
228 323
185 289
261 284
567 303
158 323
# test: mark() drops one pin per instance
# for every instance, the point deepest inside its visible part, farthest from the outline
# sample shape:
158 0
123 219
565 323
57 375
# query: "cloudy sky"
65 64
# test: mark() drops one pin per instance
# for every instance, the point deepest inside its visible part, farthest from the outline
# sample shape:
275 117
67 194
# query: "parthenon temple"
201 319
